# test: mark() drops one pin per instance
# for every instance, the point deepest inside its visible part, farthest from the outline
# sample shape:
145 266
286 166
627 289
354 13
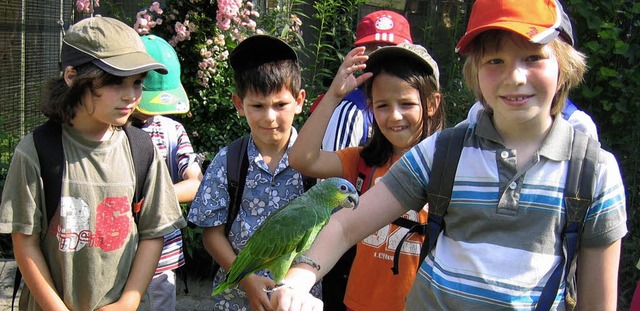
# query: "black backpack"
48 142
578 197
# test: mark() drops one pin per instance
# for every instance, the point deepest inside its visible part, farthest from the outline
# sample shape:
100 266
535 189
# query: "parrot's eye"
343 188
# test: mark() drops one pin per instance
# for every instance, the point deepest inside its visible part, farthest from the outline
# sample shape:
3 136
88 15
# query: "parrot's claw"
275 288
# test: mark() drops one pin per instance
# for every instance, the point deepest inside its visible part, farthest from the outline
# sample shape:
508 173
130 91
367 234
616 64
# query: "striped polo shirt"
503 226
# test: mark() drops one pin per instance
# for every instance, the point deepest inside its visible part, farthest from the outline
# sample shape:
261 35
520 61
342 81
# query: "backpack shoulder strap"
578 197
237 166
449 146
48 142
142 153
443 171
365 176
47 139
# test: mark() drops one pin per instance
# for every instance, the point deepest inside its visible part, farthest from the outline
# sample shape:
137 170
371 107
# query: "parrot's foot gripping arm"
299 259
275 288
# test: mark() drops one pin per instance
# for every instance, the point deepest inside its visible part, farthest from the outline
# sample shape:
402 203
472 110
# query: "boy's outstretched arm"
35 272
598 277
142 270
218 246
305 155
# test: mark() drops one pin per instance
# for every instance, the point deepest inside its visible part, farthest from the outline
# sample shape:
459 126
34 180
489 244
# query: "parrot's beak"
351 202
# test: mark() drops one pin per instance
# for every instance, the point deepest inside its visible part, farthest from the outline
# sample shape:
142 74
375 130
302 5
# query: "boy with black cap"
99 249
504 242
269 95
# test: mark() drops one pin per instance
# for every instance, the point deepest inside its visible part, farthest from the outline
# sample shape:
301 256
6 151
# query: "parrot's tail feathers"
220 288
242 275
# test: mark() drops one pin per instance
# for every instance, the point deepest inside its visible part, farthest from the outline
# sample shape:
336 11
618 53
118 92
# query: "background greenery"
607 31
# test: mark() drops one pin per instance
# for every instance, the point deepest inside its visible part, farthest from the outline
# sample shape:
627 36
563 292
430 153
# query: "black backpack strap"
363 183
48 142
142 153
47 139
578 196
237 167
365 176
449 146
16 286
415 227
443 171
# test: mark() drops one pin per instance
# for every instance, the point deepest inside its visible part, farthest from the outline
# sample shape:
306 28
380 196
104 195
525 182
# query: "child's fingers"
363 77
357 50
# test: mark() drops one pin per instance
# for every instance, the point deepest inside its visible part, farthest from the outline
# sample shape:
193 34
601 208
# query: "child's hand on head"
345 80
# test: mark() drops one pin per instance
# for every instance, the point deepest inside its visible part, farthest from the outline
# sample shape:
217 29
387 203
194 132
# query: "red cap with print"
540 21
383 27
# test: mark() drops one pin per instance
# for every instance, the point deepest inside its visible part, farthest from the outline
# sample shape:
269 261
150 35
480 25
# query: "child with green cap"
99 250
164 95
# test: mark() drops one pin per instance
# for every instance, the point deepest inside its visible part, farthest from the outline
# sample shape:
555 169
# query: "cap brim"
174 101
384 38
381 54
130 64
524 29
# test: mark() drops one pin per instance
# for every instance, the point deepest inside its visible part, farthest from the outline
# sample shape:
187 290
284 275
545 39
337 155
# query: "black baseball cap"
260 49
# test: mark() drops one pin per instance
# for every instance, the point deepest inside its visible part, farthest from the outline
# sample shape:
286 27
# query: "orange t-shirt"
372 285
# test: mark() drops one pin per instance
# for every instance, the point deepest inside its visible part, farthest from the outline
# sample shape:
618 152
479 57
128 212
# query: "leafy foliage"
335 24
609 33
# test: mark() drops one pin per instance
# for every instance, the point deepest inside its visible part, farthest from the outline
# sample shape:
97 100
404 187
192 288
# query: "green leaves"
608 32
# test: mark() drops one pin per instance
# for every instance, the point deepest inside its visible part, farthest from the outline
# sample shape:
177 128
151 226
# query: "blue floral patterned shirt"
264 193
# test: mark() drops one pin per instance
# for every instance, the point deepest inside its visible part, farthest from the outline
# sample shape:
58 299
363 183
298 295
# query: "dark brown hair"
269 78
61 101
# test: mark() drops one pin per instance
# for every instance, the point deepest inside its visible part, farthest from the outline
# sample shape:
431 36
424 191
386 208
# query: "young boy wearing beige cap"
99 250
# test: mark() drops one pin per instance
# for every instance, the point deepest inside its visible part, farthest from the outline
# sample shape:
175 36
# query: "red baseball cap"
383 26
539 21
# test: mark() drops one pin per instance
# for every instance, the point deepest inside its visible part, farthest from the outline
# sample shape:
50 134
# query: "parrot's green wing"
288 232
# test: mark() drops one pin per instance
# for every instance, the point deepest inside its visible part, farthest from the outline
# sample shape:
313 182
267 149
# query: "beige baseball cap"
410 51
109 44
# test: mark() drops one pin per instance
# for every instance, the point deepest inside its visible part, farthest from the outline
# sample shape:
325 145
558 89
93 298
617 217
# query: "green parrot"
289 231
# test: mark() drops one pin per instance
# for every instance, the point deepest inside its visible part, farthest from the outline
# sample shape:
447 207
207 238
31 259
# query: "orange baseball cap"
540 21
383 26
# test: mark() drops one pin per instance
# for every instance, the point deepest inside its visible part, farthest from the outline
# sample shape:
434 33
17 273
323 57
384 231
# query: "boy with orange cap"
502 243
